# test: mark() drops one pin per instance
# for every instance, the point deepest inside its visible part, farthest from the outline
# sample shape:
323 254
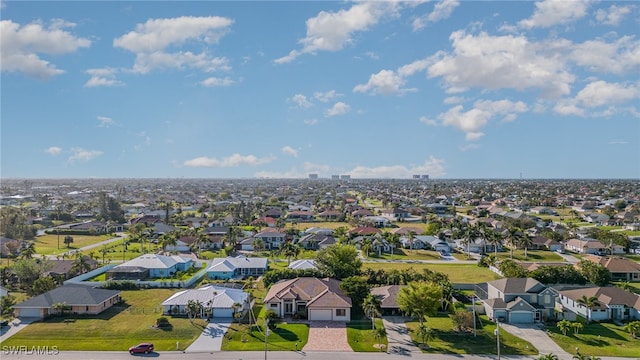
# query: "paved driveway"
398 338
536 336
327 336
211 337
14 326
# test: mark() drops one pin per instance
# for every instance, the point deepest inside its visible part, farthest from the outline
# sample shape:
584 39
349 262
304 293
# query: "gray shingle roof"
71 294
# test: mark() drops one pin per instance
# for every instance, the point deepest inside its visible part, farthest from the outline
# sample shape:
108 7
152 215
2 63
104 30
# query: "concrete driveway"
538 337
14 326
398 338
211 337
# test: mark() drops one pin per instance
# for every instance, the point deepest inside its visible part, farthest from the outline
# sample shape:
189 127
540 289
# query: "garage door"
222 313
521 317
29 313
315 314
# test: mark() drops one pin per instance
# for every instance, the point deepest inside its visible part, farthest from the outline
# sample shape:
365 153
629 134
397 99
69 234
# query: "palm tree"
550 356
513 238
564 326
366 246
80 265
588 302
29 251
471 232
258 244
104 251
380 334
411 235
289 250
633 328
525 242
371 307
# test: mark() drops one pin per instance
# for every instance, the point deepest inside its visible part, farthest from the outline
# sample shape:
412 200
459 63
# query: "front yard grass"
445 340
362 338
458 273
242 337
116 329
406 254
532 255
598 339
48 244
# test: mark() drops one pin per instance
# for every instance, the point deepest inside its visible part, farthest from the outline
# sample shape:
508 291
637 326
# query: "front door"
288 308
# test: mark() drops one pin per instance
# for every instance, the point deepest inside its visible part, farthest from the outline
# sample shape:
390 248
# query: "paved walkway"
211 337
398 338
327 336
534 334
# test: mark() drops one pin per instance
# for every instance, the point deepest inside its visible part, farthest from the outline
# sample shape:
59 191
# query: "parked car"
141 348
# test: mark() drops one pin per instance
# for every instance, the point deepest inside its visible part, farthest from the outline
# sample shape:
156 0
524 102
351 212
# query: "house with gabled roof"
388 296
621 269
318 299
272 239
613 303
237 267
80 299
217 301
517 300
150 266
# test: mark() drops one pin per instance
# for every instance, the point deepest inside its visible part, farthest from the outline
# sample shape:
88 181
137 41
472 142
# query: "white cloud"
498 62
326 96
428 121
600 93
473 120
216 81
614 15
231 161
338 108
289 151
302 101
332 31
80 154
619 56
150 40
53 150
385 82
103 77
433 166
553 12
105 121
441 11
22 46
617 142
568 107
311 122
468 147
293 173
317 168
453 100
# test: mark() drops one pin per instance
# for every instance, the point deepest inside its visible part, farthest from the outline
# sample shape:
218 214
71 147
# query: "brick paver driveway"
327 336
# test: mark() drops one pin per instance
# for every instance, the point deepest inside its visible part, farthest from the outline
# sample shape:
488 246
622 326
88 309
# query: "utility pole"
58 232
497 333
266 335
474 316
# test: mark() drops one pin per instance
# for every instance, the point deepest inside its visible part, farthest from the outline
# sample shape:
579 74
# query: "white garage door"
29 313
222 313
315 314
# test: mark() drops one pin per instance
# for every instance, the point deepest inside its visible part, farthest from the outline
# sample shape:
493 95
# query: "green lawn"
362 338
115 251
48 244
445 340
458 273
116 329
598 339
406 254
532 255
240 337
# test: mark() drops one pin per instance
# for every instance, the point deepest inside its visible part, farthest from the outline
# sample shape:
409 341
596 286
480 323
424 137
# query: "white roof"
303 264
153 261
210 296
231 263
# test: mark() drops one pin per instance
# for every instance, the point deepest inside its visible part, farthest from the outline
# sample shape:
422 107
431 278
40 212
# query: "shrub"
163 323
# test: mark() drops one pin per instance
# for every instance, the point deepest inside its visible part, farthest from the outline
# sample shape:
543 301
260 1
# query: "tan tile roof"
615 264
317 292
609 295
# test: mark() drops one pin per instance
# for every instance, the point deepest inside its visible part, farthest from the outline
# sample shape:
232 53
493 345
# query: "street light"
497 334
474 315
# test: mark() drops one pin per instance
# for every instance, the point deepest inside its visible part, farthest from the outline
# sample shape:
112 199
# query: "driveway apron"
327 336
398 338
211 337
537 337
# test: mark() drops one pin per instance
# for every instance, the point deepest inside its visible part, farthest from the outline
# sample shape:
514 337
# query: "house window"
274 305
341 312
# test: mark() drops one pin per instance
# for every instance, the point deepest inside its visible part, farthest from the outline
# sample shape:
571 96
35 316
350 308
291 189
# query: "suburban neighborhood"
401 267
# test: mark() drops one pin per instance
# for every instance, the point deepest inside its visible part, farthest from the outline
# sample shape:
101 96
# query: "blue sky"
222 89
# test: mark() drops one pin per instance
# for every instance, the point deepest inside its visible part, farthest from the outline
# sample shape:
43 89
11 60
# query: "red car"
141 348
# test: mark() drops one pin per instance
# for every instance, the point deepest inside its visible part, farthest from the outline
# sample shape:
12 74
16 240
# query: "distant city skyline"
371 90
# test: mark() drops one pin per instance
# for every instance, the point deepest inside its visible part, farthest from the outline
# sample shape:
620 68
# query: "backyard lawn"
598 339
116 329
532 255
458 273
445 340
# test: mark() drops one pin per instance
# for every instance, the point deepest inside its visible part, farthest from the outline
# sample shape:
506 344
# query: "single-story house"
614 303
388 296
621 269
150 266
303 264
518 300
317 299
80 299
217 301
237 267
66 269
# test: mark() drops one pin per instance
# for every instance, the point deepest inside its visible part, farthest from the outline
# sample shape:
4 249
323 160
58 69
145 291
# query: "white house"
303 264
217 301
613 303
318 299
150 266
237 267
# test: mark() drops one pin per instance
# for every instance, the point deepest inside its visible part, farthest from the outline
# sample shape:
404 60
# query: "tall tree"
420 299
589 303
339 261
371 307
